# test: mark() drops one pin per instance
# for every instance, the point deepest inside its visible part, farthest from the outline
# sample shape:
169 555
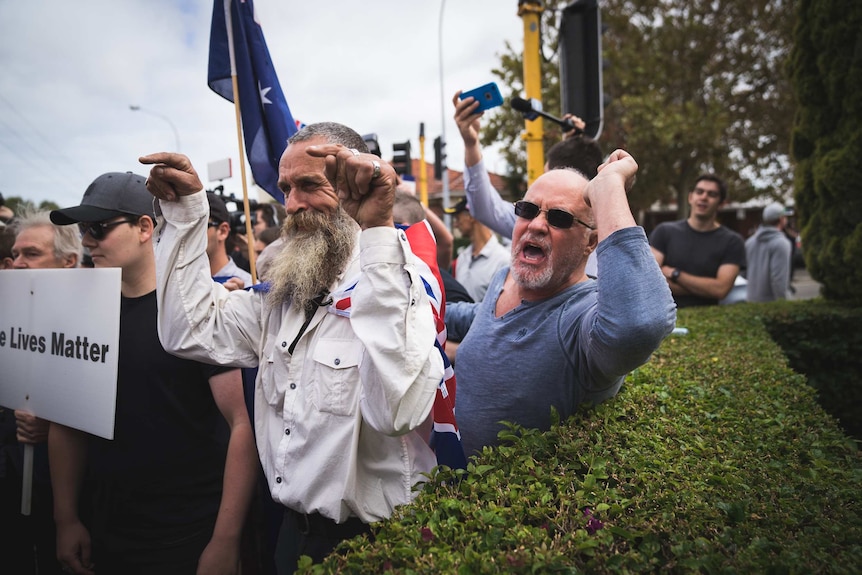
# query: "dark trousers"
116 556
28 546
313 535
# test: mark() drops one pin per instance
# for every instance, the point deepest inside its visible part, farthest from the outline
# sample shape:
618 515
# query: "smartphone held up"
488 96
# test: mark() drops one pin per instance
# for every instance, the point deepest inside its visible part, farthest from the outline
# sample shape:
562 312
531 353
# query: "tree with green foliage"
827 143
17 204
694 86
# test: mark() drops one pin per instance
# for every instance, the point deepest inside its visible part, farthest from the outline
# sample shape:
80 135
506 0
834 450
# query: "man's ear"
70 261
146 225
593 242
223 230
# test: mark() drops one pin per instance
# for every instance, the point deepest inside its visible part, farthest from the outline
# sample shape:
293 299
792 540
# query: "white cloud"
72 69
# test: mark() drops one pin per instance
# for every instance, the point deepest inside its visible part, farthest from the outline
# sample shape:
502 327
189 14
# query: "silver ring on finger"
376 173
354 151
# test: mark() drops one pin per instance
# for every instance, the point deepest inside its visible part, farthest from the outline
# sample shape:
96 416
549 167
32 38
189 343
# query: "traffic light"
439 157
373 144
401 159
581 64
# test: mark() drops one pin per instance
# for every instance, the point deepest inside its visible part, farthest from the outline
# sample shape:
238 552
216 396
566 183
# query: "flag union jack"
445 437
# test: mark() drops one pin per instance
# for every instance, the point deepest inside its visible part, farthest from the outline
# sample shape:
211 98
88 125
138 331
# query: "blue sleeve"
459 316
634 308
485 202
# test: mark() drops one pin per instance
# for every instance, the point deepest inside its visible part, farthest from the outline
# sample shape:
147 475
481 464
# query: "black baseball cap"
110 195
218 209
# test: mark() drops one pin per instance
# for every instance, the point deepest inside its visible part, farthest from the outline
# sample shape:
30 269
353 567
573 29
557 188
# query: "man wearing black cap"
222 267
477 263
173 468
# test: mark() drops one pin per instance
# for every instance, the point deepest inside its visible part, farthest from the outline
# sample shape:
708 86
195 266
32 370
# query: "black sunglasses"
557 218
98 230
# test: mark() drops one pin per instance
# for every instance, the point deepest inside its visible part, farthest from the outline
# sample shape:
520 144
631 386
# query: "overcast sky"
70 70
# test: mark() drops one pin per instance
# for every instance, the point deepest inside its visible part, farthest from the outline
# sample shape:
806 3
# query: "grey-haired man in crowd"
344 339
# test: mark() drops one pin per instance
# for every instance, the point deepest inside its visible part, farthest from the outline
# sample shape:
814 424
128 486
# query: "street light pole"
135 108
447 219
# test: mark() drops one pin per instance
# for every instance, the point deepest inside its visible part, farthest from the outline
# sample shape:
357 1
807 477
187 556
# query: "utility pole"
447 219
423 175
530 12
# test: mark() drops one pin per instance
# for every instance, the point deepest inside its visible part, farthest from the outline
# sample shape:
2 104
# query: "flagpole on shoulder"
249 234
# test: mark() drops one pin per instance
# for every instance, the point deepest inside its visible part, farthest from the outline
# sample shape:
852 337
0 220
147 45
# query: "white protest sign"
59 345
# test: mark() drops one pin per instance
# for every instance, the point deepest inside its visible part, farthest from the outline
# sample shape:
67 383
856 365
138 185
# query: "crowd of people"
259 422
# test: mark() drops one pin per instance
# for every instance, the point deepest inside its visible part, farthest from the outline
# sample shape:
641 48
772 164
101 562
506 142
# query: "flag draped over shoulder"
445 437
266 120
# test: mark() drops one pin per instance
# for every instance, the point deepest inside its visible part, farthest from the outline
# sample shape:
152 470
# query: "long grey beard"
316 250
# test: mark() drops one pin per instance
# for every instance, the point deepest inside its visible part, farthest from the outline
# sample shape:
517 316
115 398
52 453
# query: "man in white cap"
768 255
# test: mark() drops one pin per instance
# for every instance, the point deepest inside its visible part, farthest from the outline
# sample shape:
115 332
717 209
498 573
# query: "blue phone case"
488 96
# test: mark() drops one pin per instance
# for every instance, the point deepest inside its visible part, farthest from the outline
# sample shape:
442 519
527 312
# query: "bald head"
562 188
553 235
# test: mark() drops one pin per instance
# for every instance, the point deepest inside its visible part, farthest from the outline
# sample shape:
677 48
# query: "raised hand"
467 118
171 176
364 183
622 163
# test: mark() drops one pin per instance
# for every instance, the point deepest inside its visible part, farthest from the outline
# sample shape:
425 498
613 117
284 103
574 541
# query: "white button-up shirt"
335 419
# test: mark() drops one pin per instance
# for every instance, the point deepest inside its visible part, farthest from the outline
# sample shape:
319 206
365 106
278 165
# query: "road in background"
806 288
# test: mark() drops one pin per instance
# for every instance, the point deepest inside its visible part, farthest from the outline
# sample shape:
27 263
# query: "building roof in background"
456 181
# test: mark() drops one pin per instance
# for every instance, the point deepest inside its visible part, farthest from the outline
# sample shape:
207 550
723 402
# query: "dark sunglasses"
557 218
98 230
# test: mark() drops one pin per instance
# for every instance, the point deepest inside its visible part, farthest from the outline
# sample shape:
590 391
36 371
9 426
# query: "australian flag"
266 119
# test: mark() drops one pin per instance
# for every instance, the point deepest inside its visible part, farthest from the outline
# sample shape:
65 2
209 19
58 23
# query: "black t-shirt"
163 470
455 291
697 253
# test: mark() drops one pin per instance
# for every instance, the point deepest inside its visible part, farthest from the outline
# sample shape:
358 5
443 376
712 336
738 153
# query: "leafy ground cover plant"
715 458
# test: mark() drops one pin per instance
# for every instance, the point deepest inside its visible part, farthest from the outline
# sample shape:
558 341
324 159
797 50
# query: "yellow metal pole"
423 175
530 12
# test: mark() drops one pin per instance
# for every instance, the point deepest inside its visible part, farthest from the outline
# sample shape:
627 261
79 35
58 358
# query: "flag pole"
248 229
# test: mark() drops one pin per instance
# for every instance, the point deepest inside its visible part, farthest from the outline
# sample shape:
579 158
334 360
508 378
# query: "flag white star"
263 92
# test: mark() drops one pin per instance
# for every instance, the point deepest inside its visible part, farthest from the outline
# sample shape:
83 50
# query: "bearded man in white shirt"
344 339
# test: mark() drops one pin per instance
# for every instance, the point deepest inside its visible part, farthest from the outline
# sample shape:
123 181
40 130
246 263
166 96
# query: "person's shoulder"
732 235
664 230
671 225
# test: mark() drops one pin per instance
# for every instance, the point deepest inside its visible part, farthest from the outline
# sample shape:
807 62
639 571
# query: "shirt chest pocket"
334 382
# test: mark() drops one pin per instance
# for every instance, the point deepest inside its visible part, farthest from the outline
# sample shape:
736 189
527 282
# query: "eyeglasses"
98 230
213 224
557 218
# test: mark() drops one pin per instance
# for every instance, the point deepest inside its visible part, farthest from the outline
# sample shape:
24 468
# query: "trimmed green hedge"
824 342
715 458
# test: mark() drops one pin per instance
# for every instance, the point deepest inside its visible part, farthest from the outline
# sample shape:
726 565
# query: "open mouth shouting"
532 251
